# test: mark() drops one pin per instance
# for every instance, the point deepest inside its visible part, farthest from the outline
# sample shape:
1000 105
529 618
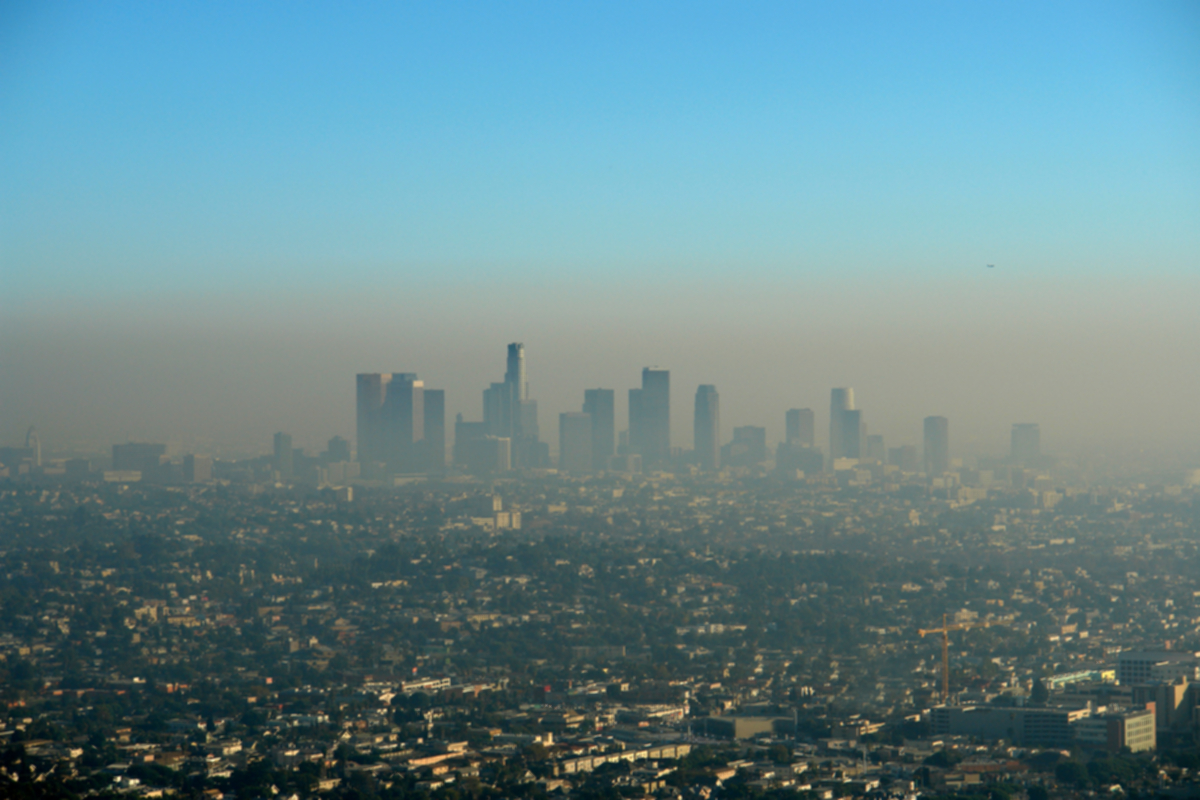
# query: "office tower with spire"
937 446
650 418
514 373
502 401
800 427
706 427
1026 442
599 405
508 412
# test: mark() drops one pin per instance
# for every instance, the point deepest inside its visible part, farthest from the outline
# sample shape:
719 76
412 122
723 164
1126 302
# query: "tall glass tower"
650 417
937 446
707 427
841 440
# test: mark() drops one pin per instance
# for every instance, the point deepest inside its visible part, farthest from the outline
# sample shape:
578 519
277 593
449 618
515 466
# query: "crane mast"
944 630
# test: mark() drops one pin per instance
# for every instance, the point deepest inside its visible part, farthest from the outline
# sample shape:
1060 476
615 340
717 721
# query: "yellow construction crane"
945 631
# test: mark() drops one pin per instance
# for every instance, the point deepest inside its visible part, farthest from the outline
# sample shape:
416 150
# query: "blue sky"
183 146
176 155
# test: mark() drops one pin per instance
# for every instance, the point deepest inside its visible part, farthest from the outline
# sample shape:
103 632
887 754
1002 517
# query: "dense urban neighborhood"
865 633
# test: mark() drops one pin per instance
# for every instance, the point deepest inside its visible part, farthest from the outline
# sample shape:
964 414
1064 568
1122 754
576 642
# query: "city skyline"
574 400
401 431
398 433
389 426
780 197
515 389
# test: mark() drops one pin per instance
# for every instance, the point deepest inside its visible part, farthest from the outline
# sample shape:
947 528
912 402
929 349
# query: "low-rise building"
1044 726
1117 729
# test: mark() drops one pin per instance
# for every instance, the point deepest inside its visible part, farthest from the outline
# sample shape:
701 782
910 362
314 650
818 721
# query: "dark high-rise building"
514 373
1026 442
284 455
403 415
875 450
650 418
370 395
748 448
904 457
435 429
853 434
478 451
527 420
599 405
574 441
338 449
497 409
937 446
801 427
502 402
487 454
392 425
706 427
464 434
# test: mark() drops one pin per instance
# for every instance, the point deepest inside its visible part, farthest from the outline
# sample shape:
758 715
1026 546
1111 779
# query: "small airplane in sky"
991 266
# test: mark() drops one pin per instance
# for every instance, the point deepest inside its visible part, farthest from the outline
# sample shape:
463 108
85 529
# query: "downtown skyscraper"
800 427
283 455
599 405
371 391
845 426
434 428
706 427
403 415
937 446
397 431
509 413
650 418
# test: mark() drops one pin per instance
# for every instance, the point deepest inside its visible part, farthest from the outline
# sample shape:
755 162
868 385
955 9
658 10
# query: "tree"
1040 693
1071 772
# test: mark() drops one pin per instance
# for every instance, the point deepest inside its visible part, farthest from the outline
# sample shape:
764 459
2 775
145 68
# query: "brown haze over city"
1106 364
